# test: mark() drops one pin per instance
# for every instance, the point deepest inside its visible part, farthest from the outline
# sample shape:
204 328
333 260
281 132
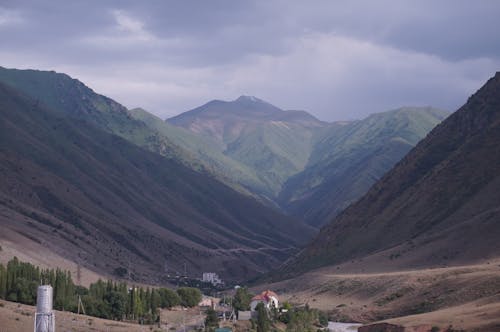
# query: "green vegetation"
288 157
273 144
206 150
263 323
350 157
242 299
19 282
211 321
303 319
189 297
168 298
105 299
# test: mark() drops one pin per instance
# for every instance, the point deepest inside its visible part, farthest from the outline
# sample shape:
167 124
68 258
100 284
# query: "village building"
212 278
268 298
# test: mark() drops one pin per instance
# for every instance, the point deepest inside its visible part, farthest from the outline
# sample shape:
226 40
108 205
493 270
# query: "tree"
302 320
211 321
168 298
263 323
155 300
189 296
242 299
3 282
117 303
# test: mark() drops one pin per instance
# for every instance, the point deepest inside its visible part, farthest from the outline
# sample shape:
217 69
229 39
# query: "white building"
212 278
269 298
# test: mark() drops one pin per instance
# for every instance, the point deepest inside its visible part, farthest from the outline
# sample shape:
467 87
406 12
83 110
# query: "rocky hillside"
307 168
90 195
350 158
438 205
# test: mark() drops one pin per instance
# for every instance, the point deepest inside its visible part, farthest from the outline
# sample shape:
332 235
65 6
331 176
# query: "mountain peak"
244 98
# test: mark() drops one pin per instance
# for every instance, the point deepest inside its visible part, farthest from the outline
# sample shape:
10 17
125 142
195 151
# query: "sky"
338 60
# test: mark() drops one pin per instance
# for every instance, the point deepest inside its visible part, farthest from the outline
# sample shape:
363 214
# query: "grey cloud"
335 59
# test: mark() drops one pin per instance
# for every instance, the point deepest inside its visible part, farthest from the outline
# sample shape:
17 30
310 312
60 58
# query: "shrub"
189 296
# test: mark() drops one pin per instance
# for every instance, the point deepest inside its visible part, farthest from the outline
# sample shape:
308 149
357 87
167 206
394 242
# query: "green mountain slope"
438 205
274 143
205 150
71 97
75 188
350 158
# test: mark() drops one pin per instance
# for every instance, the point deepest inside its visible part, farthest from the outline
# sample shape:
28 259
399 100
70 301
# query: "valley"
106 192
249 166
86 193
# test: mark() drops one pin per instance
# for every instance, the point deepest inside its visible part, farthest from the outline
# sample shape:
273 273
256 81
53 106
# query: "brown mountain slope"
94 197
440 204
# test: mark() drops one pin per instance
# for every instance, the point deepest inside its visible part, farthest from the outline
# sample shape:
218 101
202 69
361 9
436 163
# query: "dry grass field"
16 317
465 297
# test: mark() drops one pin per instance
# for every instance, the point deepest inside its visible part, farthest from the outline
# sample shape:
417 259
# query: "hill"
309 168
274 143
97 199
438 205
207 152
350 157
290 160
71 97
464 297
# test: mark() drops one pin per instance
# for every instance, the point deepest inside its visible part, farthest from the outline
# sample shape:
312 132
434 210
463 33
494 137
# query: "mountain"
350 157
89 195
207 151
286 159
310 169
439 205
71 97
274 143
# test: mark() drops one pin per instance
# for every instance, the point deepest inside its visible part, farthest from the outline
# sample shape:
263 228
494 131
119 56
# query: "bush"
212 320
323 318
242 299
189 296
168 298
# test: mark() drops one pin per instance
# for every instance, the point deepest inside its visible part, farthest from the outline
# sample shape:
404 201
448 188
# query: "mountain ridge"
282 158
436 206
351 157
76 187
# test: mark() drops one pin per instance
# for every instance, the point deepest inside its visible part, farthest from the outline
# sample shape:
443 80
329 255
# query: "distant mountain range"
350 157
72 180
309 168
196 182
273 143
440 205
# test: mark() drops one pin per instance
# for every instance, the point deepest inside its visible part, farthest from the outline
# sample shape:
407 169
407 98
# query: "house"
269 298
207 302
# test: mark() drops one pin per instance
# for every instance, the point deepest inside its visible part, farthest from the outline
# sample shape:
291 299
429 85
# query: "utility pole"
80 305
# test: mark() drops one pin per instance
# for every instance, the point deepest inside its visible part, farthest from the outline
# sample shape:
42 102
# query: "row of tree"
106 299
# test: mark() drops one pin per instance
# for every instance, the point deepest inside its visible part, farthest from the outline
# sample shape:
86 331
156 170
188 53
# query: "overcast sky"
336 59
